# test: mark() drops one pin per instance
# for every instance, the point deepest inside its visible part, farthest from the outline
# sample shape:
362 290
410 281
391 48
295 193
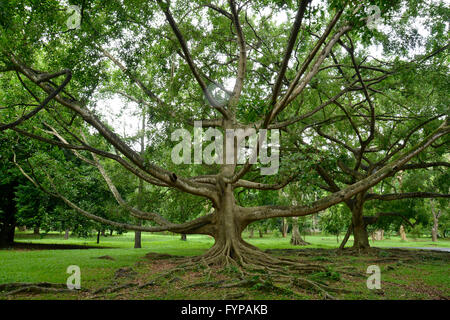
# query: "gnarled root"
248 259
9 289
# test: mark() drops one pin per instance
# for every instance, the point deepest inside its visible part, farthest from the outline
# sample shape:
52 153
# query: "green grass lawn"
50 265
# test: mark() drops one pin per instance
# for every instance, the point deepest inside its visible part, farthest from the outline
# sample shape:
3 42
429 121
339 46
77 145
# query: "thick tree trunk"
360 236
66 234
296 239
36 230
227 227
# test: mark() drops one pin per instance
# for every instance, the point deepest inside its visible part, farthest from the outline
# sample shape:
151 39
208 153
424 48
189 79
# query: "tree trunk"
227 228
111 232
402 233
252 231
8 206
378 235
284 228
98 237
66 234
296 239
138 234
360 236
7 230
435 228
434 233
260 233
137 240
183 237
36 230
346 237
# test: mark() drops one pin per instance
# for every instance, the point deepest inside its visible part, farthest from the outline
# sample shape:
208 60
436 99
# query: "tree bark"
360 236
66 234
296 239
402 233
284 228
98 237
36 230
137 240
183 237
346 237
226 228
435 227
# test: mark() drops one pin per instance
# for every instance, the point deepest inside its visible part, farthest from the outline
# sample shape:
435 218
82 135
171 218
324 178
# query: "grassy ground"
410 275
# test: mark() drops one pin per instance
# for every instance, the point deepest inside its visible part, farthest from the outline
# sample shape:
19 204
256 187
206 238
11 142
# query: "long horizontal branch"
157 172
406 195
265 212
200 225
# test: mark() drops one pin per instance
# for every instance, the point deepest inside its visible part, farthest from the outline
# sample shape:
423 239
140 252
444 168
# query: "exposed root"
115 288
9 289
246 257
299 242
255 269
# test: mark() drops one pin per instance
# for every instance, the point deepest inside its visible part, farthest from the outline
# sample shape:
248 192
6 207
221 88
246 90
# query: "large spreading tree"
302 67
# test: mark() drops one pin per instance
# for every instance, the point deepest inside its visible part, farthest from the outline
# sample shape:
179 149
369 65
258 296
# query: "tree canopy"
355 103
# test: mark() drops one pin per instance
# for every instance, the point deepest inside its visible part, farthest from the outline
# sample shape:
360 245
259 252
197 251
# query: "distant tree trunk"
111 232
260 233
138 234
104 233
402 233
183 237
314 223
284 228
435 227
137 240
22 228
36 230
98 237
8 221
296 239
378 235
66 234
